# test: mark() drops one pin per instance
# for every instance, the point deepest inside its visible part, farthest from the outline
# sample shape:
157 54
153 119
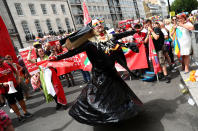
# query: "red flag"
153 56
87 18
6 47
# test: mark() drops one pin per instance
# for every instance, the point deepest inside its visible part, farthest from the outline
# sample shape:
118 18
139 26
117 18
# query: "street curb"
192 87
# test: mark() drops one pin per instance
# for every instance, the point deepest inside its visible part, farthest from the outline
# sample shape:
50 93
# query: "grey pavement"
192 87
165 109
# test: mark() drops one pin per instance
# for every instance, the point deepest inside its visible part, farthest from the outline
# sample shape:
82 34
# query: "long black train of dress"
106 99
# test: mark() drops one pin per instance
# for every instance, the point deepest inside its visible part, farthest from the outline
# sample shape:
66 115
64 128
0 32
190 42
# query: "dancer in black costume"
106 99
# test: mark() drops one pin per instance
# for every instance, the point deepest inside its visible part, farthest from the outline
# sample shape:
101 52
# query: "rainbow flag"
125 50
176 43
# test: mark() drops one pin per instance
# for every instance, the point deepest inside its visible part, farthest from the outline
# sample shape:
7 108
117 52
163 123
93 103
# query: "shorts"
161 57
11 98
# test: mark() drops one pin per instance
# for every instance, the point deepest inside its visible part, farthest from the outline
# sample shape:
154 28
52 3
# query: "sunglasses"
98 23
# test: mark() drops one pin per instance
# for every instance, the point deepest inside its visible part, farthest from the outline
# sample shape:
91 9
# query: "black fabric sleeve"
73 52
62 41
118 36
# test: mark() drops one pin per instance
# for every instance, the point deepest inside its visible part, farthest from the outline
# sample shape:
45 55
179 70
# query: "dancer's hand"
52 58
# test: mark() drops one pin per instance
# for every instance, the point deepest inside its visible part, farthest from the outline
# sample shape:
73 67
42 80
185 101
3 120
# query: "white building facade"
34 17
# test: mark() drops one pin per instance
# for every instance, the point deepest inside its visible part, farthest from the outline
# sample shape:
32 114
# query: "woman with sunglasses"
106 99
181 31
50 82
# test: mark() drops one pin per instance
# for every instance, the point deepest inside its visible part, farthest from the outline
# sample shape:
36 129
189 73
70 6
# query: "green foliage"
184 5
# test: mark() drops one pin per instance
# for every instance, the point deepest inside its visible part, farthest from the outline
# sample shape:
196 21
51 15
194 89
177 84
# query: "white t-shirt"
164 31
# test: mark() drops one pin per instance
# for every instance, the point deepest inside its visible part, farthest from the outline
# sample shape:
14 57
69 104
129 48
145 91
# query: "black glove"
133 47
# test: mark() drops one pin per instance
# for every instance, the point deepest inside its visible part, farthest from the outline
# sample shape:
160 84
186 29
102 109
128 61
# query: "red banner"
6 47
81 61
63 66
31 67
135 60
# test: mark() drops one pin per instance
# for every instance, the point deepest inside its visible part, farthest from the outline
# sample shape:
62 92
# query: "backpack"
149 76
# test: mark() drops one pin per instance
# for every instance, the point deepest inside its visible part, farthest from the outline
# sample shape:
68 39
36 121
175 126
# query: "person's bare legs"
164 70
23 106
2 100
71 77
186 62
168 58
68 81
15 109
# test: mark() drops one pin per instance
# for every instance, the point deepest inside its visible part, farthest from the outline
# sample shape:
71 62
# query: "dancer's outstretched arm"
118 36
71 53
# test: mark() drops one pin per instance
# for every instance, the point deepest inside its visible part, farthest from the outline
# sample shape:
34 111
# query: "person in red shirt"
10 88
139 39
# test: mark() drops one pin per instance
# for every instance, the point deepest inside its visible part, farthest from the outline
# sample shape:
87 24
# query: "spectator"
183 36
47 49
8 82
167 44
68 76
158 40
19 69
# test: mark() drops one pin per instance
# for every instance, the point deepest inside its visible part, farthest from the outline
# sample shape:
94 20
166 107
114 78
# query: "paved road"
165 109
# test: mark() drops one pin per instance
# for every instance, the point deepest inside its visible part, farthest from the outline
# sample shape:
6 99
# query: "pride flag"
176 43
153 56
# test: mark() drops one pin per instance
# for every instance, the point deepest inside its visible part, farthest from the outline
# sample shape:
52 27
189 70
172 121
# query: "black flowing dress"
106 99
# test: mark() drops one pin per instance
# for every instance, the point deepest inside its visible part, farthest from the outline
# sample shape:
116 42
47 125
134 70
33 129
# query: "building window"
38 26
90 8
94 8
78 20
25 28
68 24
54 8
58 22
49 26
32 9
44 9
63 9
18 8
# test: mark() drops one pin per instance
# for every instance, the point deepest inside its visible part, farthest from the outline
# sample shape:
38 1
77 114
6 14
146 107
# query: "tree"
184 5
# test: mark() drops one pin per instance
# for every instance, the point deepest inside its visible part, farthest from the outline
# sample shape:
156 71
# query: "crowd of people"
102 53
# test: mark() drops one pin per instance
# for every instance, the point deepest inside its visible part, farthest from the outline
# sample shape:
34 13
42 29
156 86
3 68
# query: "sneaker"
2 104
11 111
27 115
21 119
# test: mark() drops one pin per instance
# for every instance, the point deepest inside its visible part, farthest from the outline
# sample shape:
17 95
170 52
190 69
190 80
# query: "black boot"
58 106
167 79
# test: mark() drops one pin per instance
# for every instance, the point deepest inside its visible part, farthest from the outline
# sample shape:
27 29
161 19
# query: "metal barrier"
194 37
